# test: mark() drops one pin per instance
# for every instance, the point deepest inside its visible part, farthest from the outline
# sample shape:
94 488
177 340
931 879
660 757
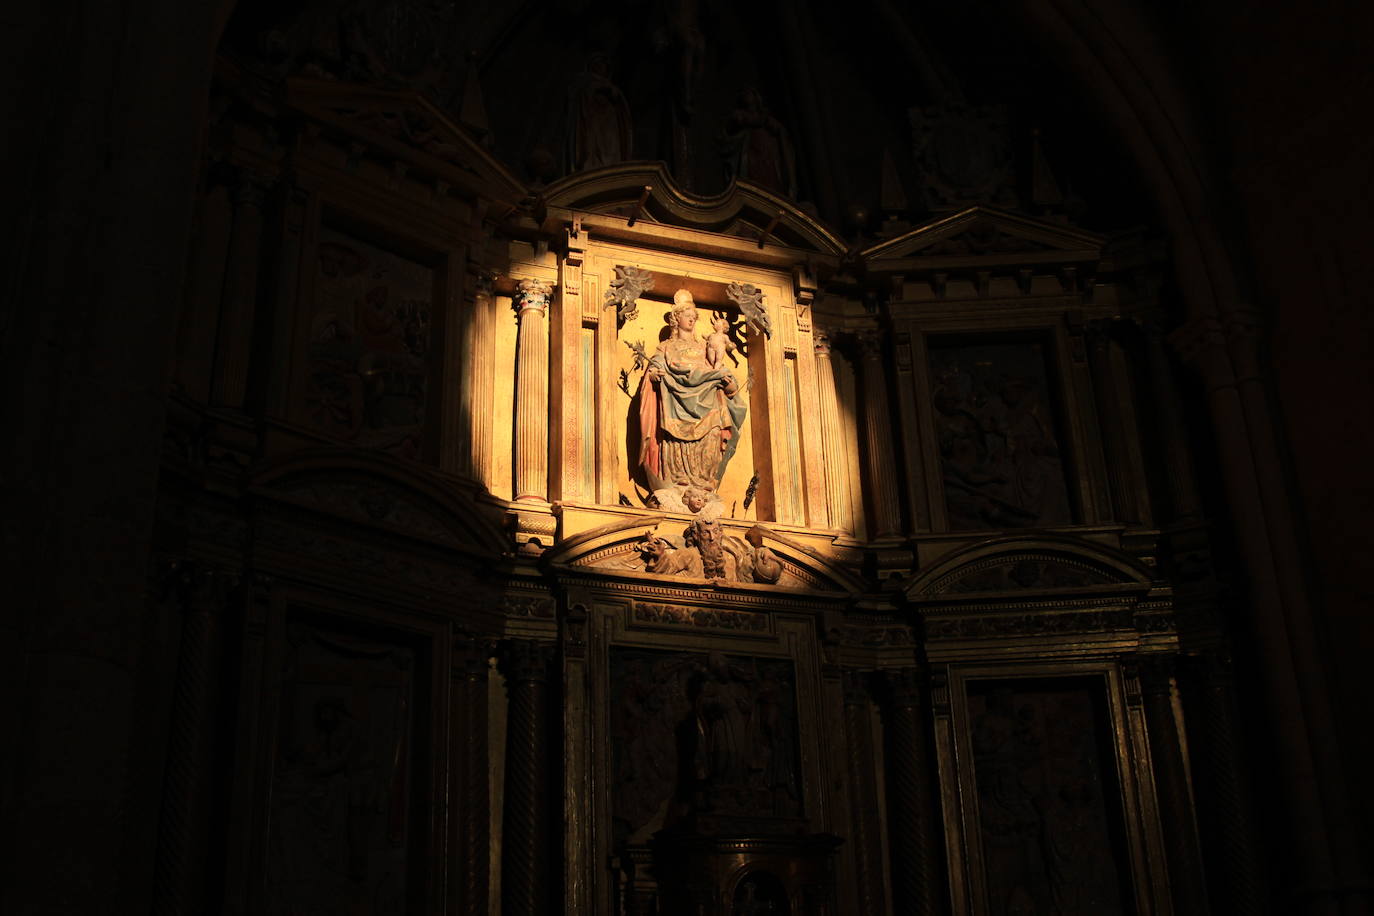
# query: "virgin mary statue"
690 412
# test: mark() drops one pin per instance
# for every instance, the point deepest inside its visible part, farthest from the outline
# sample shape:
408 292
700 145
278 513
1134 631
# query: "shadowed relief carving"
1000 454
342 784
701 734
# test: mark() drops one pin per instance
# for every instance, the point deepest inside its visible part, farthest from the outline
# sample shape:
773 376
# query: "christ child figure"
719 345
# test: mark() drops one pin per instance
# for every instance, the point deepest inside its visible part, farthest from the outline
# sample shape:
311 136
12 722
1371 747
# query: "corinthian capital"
533 294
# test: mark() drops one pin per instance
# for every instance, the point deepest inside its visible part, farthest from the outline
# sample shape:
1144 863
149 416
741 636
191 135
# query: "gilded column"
525 827
877 422
204 596
916 873
863 796
532 391
832 439
1171 783
1182 481
469 790
1114 436
240 293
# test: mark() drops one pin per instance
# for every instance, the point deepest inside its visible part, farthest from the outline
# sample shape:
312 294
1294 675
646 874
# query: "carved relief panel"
1007 431
370 339
701 734
1003 454
352 715
367 354
1055 799
343 774
704 722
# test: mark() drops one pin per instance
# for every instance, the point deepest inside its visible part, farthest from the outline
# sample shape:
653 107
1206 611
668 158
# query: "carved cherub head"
695 499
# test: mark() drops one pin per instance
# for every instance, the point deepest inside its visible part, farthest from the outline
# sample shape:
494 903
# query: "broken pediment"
983 234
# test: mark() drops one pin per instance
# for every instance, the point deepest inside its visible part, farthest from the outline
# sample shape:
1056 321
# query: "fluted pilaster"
880 460
525 876
839 509
532 391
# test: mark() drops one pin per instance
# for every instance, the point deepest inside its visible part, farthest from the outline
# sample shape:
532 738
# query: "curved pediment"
742 209
377 492
618 548
1040 564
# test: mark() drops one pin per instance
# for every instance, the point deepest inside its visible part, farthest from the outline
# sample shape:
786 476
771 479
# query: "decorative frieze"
670 615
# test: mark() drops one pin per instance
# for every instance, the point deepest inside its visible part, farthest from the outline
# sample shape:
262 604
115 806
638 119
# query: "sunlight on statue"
691 410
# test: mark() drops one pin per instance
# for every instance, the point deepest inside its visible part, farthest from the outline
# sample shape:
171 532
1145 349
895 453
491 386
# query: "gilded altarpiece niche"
366 377
701 733
1002 452
343 787
1049 806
